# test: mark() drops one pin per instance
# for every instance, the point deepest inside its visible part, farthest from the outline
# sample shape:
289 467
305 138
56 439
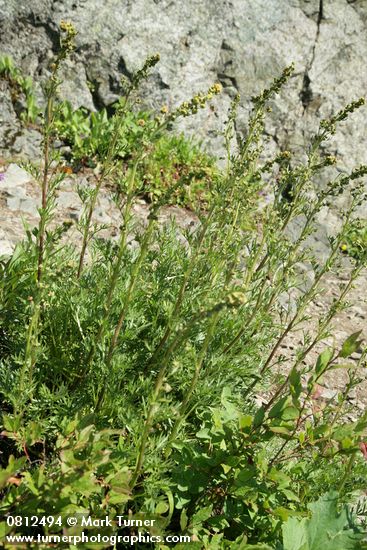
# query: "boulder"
241 43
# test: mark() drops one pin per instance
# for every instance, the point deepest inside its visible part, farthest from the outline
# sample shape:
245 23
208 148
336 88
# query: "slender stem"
29 356
106 168
134 277
297 425
46 153
115 274
254 313
147 427
133 280
198 365
321 329
153 403
347 472
261 265
349 386
304 302
164 361
195 378
179 300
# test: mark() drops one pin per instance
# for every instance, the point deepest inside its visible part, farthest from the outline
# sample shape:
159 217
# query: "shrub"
130 381
355 244
85 137
21 87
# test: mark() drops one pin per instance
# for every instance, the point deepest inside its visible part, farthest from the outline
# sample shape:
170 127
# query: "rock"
15 176
13 203
359 312
30 206
318 241
6 247
73 77
27 145
13 186
9 124
241 43
326 393
69 199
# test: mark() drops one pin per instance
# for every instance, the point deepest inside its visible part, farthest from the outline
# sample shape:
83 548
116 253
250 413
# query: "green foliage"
20 86
87 137
131 376
174 158
355 244
227 482
326 528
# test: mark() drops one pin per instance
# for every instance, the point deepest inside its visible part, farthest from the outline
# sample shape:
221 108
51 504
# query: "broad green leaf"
245 421
115 497
161 507
279 477
323 361
290 495
13 467
203 434
202 515
276 410
259 546
259 417
326 529
285 513
280 430
295 382
183 519
290 413
350 345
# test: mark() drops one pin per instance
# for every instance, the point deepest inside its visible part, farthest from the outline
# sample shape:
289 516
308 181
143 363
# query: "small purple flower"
2 176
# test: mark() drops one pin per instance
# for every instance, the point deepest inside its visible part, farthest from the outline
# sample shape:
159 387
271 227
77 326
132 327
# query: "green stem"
114 277
171 323
46 160
133 280
106 168
347 472
153 403
194 379
321 329
29 356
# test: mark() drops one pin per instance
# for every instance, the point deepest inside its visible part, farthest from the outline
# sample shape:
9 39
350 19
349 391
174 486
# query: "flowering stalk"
30 354
129 294
115 272
107 165
233 300
171 322
66 47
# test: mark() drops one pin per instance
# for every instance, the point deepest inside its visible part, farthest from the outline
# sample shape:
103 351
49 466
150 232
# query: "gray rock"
27 145
328 393
69 199
30 206
318 241
74 85
9 124
241 43
13 203
6 247
15 180
27 205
